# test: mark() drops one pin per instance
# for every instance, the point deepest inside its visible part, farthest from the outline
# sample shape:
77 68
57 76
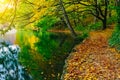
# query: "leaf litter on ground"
93 59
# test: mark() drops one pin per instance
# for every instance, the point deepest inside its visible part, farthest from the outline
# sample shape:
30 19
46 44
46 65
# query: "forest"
59 39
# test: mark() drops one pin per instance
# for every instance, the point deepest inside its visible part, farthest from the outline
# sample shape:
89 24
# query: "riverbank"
93 59
63 31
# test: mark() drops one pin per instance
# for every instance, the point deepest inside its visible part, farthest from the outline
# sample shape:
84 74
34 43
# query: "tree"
67 19
97 8
7 15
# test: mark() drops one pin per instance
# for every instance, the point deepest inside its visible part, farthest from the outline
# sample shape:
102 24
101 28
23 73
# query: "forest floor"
93 59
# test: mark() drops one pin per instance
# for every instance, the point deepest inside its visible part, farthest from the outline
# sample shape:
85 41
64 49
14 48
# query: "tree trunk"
105 15
104 24
95 20
110 11
67 19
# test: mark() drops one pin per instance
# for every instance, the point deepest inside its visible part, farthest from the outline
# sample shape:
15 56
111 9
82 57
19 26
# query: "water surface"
44 53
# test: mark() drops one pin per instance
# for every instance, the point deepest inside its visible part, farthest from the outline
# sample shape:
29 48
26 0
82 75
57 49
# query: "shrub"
95 26
112 19
114 40
46 22
80 27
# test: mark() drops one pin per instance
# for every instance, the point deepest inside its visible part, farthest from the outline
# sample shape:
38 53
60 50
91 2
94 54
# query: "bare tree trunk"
104 24
105 15
67 19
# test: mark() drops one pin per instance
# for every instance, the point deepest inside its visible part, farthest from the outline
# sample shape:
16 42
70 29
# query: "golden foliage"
94 60
41 8
32 40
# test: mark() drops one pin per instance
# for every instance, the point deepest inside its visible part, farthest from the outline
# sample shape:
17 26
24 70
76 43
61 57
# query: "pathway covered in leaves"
93 59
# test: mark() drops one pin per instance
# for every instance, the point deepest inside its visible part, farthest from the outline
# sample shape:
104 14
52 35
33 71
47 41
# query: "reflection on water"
44 53
9 36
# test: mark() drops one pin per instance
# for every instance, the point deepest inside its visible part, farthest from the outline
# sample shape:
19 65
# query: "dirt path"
93 59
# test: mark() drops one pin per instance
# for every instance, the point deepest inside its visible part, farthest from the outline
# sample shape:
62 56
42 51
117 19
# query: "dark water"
44 53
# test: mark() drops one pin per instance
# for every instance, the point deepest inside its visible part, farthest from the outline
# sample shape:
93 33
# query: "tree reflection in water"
46 58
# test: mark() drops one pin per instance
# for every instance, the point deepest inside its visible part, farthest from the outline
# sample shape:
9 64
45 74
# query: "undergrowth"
114 40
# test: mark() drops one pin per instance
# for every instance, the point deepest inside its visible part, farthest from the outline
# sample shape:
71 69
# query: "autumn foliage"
93 60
